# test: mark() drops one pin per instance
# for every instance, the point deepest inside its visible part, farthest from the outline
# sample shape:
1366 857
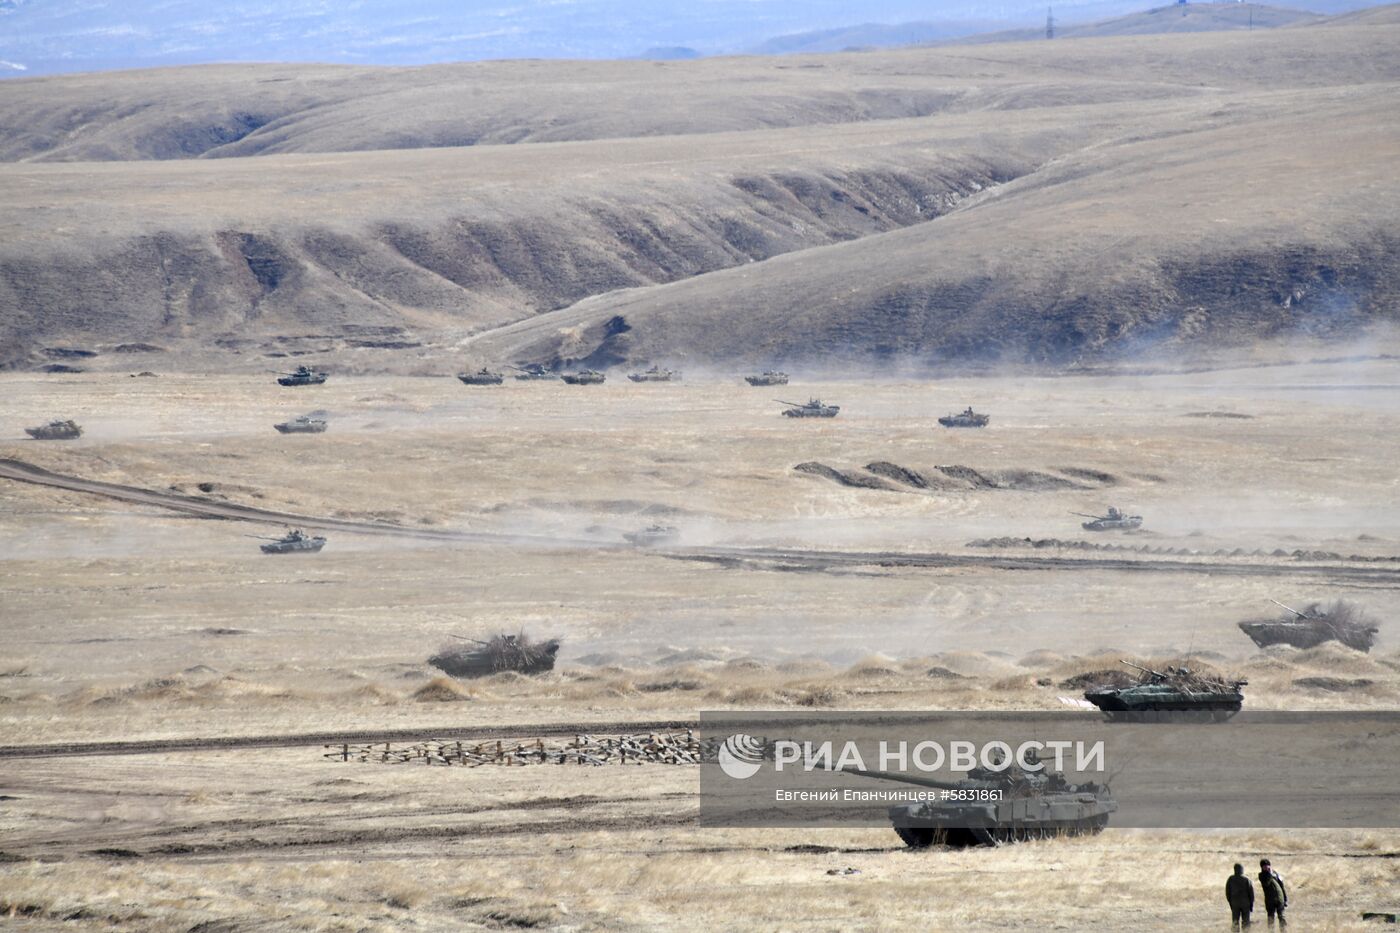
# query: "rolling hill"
1028 202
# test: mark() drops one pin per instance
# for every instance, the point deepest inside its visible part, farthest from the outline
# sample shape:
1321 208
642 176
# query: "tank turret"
965 419
813 408
1115 520
301 376
482 377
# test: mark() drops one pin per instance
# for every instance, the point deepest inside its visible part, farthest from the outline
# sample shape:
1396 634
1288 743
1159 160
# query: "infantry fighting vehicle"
965 419
501 653
812 409
302 376
768 377
656 374
482 377
1113 521
293 542
301 424
532 371
55 431
1341 621
1177 694
653 535
587 377
990 807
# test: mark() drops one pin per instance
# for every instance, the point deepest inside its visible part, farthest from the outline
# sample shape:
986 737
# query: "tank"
653 535
302 376
1113 521
965 419
293 542
999 807
531 372
1177 694
587 377
55 431
768 378
656 374
812 409
301 424
482 377
1341 621
501 653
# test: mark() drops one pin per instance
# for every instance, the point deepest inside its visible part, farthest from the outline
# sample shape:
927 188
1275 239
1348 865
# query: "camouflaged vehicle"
1341 621
301 424
1177 694
1113 521
990 806
768 378
965 419
302 376
812 409
293 542
656 374
653 535
482 377
55 431
587 377
532 371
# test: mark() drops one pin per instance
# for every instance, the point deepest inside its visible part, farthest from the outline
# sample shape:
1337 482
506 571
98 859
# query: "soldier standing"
1239 893
1275 894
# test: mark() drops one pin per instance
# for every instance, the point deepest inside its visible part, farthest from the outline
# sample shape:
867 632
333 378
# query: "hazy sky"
42 36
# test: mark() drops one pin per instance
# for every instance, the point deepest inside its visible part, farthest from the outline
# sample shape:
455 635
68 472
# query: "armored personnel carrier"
55 431
991 807
532 371
1341 621
965 419
587 377
293 542
768 377
501 653
655 374
812 409
1177 694
301 424
482 377
1113 521
302 376
653 535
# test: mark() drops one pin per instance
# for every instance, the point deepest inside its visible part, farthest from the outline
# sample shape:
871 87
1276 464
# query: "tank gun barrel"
1085 515
1289 608
1145 670
262 537
793 404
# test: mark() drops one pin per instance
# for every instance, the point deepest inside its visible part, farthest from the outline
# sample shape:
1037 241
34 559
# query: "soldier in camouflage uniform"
1239 893
1275 894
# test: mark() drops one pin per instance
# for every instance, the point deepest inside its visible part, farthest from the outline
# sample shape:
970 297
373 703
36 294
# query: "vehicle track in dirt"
789 559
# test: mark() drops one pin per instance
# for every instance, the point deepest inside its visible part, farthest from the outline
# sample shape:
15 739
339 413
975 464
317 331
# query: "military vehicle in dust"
518 653
965 419
653 535
1113 521
532 371
1341 621
655 374
768 377
812 409
301 376
301 424
55 431
587 377
482 377
293 542
994 806
1177 694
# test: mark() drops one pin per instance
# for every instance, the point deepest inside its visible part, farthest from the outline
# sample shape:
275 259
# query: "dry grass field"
129 622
